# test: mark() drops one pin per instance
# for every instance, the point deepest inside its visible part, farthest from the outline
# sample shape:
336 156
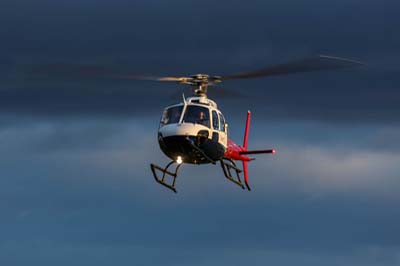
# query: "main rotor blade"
134 77
318 63
77 71
67 71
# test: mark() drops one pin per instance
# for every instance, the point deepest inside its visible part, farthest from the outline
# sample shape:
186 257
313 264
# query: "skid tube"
165 173
227 165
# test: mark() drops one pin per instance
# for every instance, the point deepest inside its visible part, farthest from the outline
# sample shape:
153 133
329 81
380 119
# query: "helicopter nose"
184 129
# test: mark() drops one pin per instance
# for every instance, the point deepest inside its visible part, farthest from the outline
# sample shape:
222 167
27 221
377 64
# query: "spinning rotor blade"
91 71
133 77
67 71
318 63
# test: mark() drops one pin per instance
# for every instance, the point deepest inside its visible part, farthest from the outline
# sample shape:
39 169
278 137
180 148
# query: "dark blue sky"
76 186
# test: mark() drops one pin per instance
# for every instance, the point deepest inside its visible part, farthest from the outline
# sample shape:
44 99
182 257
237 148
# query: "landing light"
179 160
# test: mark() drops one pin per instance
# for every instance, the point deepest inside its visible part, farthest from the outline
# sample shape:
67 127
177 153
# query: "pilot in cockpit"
202 119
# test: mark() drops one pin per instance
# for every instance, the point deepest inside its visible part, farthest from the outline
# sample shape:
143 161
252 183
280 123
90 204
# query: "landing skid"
165 172
227 166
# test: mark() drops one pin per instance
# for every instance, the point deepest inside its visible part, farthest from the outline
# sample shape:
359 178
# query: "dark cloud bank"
216 38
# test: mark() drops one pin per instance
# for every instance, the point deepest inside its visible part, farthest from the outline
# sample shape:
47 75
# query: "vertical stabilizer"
246 131
245 144
246 175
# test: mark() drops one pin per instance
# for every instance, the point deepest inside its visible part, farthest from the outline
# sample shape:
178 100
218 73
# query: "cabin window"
171 115
221 122
197 115
215 120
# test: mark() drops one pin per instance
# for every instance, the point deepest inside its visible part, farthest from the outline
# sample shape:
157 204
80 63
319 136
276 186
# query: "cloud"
49 253
318 171
311 157
104 36
78 187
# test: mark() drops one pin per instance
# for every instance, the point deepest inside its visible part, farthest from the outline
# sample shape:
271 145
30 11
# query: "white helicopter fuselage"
196 122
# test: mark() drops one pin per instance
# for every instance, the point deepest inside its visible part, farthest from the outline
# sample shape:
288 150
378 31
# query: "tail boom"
257 152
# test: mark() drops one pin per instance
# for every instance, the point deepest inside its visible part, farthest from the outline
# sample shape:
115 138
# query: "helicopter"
195 131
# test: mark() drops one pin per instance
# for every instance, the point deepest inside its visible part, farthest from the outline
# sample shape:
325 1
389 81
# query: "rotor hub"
200 83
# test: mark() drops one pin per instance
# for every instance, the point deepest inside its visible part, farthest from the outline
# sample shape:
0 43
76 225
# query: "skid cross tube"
227 165
165 172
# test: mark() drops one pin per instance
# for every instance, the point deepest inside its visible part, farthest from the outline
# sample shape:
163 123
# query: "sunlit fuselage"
196 121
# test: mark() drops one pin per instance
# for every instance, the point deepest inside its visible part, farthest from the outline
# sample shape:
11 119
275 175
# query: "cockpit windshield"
197 115
171 115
